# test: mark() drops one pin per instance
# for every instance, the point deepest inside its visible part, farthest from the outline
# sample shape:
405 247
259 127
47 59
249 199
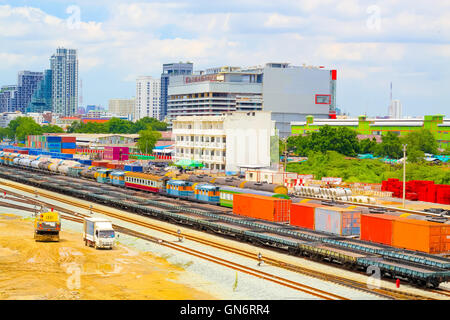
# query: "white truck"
98 233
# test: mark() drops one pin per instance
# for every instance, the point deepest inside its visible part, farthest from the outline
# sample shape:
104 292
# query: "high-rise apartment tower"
64 66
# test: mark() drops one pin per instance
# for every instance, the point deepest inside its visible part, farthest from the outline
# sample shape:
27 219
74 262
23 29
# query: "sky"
371 44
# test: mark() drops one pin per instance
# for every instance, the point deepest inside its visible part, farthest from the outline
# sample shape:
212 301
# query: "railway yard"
193 250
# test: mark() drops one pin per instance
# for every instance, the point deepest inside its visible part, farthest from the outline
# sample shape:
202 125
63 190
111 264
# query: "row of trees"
344 141
333 164
20 128
147 128
116 125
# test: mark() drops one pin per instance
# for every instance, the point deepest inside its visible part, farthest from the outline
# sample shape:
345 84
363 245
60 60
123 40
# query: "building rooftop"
412 122
219 117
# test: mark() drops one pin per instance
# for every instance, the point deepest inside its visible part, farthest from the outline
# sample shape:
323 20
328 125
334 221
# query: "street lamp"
404 174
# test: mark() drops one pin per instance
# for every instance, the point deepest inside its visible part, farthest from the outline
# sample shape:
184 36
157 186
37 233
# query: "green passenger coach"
227 194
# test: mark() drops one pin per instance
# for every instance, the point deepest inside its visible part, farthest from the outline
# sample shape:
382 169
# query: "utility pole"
404 174
285 155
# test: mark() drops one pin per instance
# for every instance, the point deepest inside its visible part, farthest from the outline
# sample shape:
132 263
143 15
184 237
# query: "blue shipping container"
53 139
54 145
86 162
68 145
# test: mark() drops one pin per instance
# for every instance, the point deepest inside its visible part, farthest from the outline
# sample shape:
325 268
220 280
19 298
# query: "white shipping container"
337 221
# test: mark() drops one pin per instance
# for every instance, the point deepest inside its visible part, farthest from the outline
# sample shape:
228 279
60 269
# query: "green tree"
332 164
51 129
4 133
367 146
415 155
22 127
422 140
446 150
95 127
147 140
342 140
390 146
75 127
301 145
116 125
142 124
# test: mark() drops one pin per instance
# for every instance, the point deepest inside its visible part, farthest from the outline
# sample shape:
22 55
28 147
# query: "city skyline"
371 45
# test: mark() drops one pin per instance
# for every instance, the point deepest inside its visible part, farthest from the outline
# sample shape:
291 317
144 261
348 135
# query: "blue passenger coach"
207 192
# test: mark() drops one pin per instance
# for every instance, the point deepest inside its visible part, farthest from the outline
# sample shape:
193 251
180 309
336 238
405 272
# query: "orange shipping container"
377 228
302 214
419 235
262 207
69 151
100 163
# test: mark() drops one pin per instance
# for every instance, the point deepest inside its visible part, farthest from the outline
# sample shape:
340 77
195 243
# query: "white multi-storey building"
93 114
122 107
148 98
395 109
7 117
226 142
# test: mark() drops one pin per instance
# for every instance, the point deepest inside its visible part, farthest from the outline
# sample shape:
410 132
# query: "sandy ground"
68 270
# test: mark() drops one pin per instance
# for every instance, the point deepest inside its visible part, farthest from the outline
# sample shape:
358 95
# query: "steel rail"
383 292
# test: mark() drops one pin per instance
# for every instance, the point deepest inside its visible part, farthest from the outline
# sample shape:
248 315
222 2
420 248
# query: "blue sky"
370 43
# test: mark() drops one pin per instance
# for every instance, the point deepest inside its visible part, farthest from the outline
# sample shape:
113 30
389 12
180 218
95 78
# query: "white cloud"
282 21
349 7
138 37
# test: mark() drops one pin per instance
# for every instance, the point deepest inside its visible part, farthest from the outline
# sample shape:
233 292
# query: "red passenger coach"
143 181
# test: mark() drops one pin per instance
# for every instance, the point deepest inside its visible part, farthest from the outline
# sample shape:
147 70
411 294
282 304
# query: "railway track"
443 292
322 294
353 284
189 203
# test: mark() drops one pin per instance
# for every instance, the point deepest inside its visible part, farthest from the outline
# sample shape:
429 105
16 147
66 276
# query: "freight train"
203 189
418 268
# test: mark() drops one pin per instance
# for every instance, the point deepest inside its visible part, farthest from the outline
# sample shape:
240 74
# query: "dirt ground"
68 270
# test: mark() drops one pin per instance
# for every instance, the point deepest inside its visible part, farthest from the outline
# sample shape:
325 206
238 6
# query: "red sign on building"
207 77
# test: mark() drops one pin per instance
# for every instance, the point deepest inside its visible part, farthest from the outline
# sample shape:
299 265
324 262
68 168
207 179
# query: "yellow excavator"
47 226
